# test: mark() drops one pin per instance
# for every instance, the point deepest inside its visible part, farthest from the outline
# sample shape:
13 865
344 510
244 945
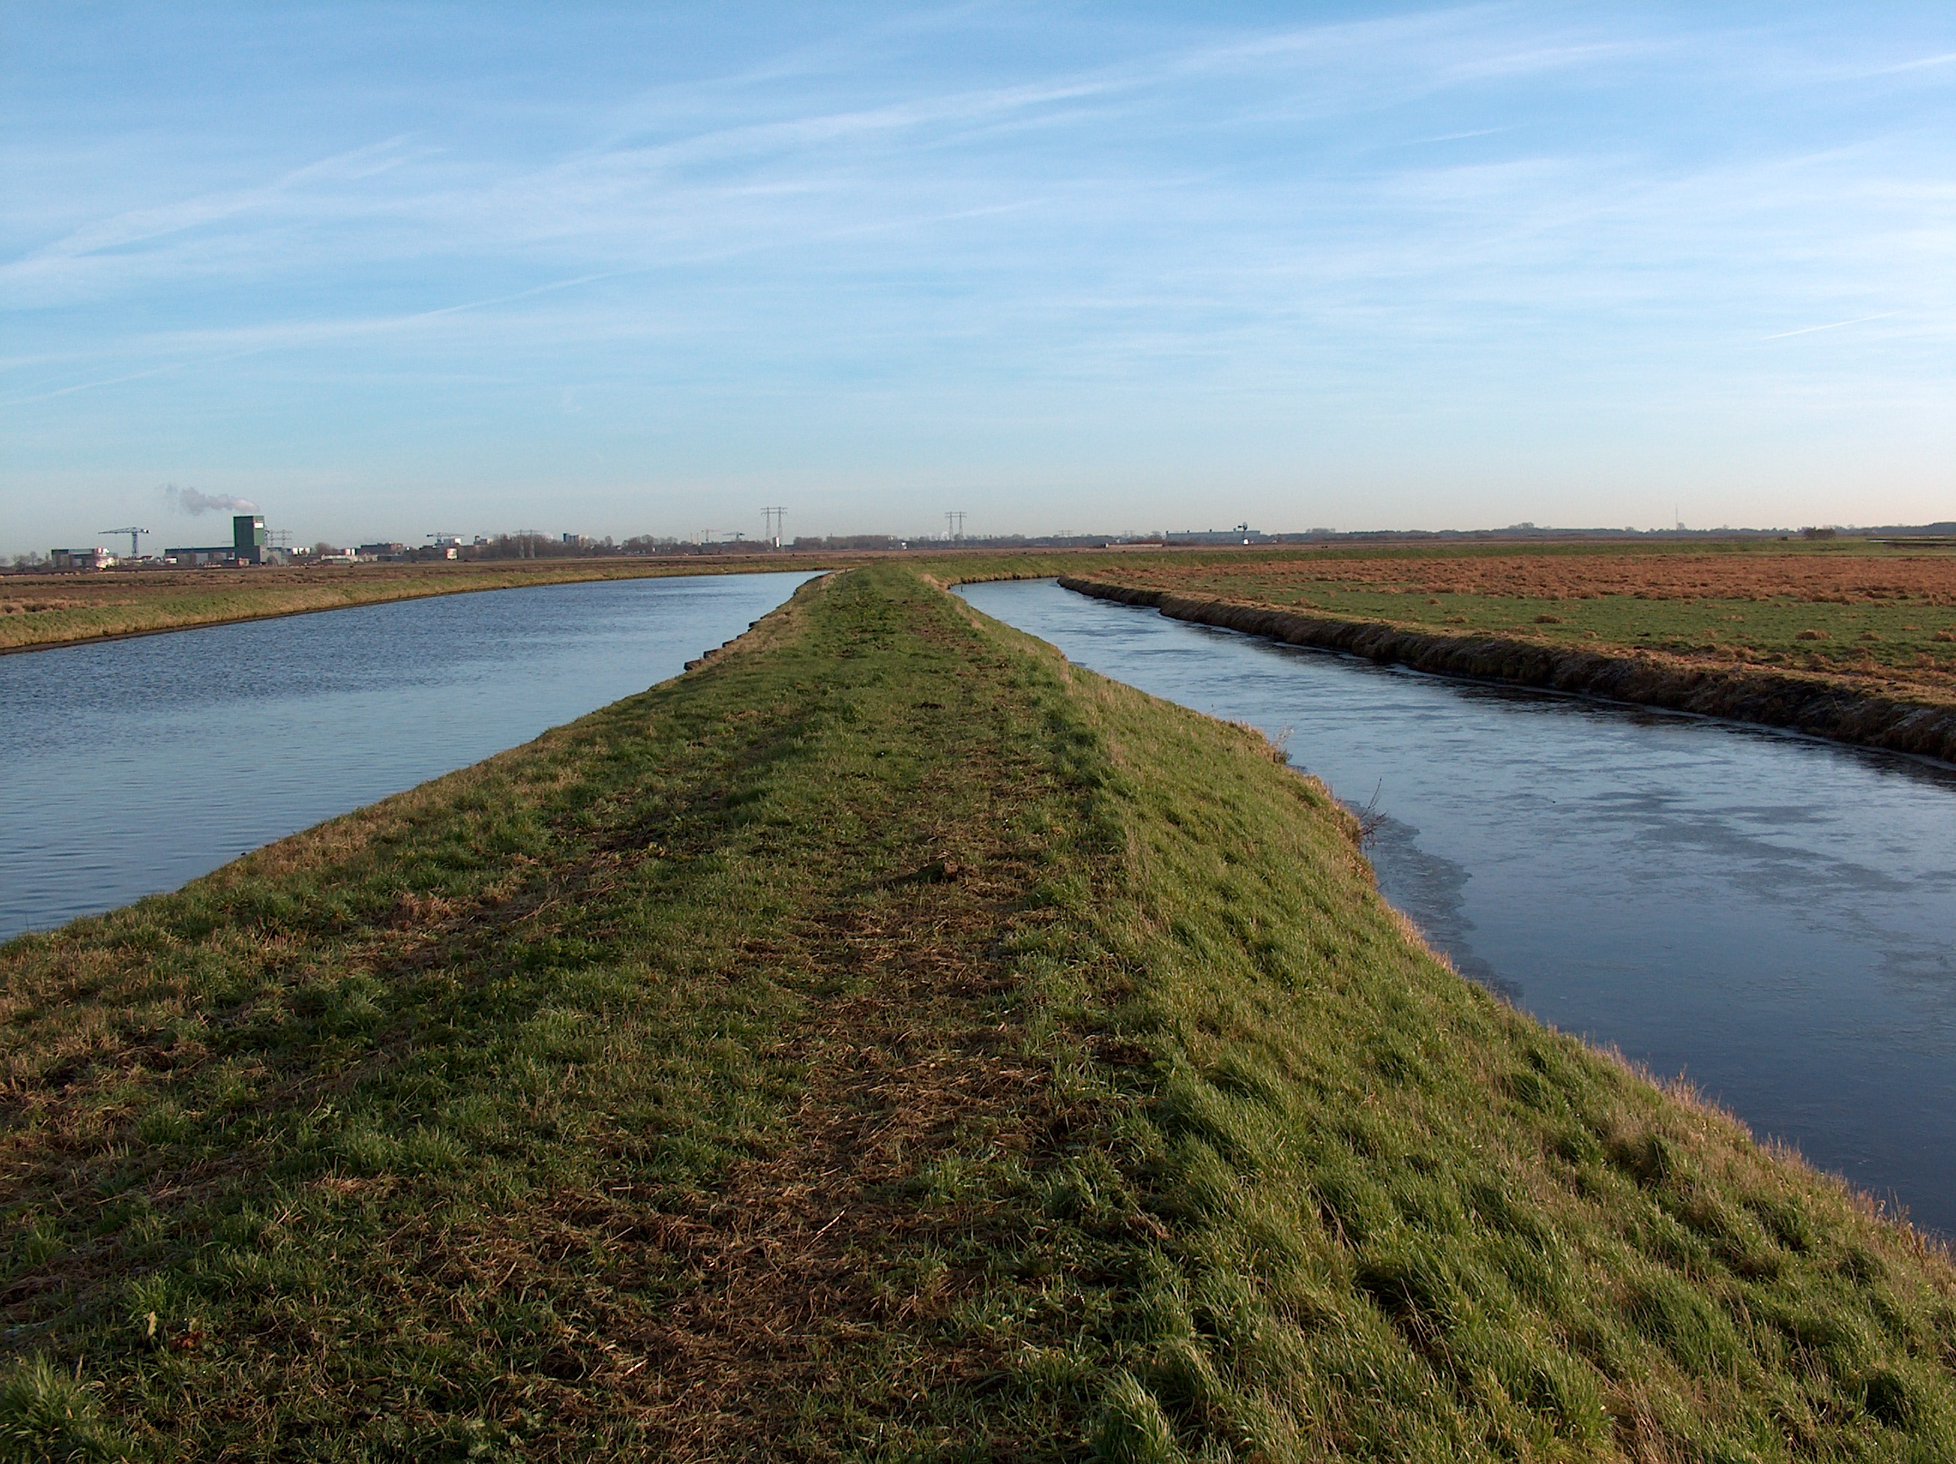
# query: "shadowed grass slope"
887 1041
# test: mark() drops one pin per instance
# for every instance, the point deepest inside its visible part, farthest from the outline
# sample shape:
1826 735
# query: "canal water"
1769 916
132 766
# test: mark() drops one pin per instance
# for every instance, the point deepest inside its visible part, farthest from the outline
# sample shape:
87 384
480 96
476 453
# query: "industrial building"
1241 534
247 545
96 558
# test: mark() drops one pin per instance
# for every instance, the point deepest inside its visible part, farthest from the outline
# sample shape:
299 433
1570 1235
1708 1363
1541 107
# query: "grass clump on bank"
887 1041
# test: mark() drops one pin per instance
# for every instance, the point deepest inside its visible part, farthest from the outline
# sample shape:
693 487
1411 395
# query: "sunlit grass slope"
886 1042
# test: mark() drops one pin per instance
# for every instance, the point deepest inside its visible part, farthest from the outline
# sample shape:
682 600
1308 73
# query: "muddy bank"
1808 704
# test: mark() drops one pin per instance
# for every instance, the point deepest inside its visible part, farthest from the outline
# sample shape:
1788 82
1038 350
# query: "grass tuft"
48 1416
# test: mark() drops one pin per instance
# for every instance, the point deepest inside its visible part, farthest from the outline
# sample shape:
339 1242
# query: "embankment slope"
885 1041
1821 706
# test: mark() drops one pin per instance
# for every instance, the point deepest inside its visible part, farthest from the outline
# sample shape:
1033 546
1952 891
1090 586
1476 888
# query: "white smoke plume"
189 500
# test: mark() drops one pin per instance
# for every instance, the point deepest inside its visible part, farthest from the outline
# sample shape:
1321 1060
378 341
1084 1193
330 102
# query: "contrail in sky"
1831 325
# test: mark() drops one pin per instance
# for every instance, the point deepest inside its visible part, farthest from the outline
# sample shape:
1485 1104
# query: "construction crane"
133 533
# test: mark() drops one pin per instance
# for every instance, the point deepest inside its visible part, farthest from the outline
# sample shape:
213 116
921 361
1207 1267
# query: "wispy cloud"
652 188
220 347
139 226
980 213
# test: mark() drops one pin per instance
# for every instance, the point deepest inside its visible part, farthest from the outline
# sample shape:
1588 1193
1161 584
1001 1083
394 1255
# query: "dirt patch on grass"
794 1253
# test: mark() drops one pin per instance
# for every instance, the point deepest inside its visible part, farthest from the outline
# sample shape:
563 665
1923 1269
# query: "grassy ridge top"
887 1041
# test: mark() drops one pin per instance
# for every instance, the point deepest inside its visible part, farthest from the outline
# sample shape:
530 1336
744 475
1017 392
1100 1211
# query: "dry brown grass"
789 1294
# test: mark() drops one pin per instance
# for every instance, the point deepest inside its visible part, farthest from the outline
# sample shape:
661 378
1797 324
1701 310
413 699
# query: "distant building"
1241 534
247 546
248 538
96 558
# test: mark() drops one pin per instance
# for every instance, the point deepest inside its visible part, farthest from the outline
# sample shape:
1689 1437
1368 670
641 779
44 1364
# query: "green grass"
886 1042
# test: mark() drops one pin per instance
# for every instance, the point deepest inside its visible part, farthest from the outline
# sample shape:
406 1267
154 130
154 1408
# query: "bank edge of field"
887 1040
1817 705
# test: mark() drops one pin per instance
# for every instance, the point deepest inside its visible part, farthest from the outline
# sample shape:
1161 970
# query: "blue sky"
389 270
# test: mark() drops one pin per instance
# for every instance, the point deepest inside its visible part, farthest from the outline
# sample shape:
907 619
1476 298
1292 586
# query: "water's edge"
1768 698
171 754
1764 915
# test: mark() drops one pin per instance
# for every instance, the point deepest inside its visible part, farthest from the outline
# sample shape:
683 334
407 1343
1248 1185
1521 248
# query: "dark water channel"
130 767
1771 916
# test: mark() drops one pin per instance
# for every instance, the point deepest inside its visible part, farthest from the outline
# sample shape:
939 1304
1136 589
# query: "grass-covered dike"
886 1041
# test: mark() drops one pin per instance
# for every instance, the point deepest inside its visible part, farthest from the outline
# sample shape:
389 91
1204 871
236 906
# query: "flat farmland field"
1882 619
